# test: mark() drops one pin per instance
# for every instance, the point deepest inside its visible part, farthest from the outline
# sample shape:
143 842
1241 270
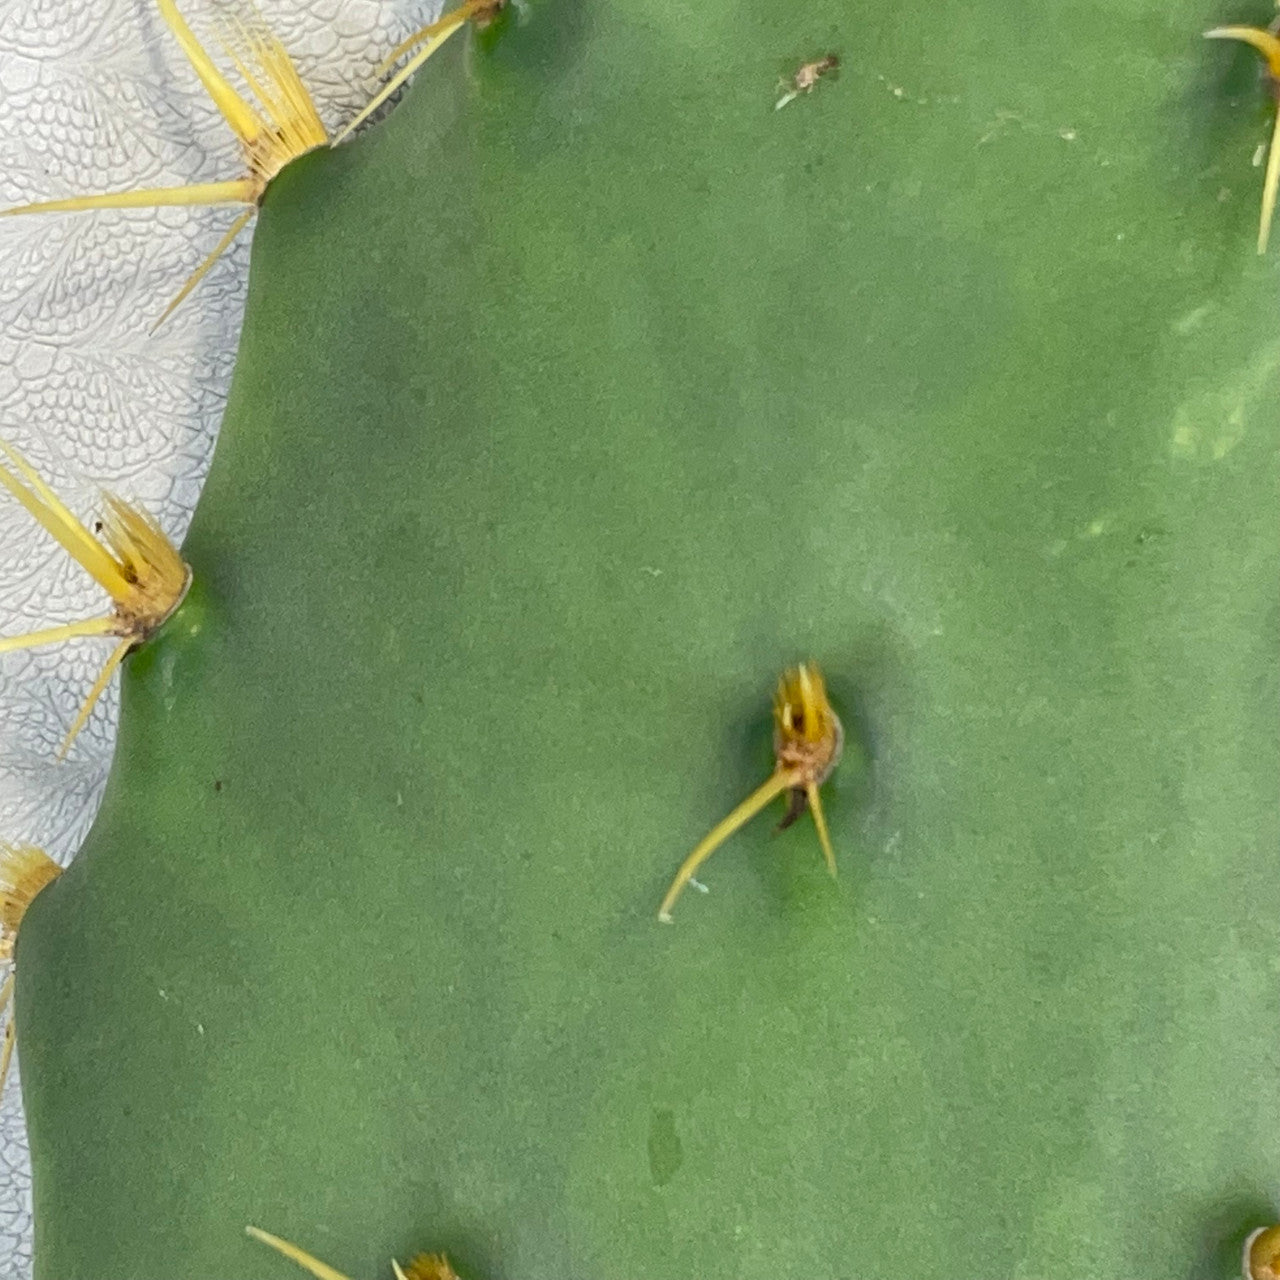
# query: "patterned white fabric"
95 95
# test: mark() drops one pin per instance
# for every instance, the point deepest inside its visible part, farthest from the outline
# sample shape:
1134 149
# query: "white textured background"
95 95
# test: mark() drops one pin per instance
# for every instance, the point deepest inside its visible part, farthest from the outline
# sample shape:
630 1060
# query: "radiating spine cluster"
1267 43
424 1266
24 871
276 125
808 740
132 560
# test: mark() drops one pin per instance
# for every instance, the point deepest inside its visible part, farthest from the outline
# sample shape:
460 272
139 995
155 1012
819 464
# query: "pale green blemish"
1192 320
1212 422
1094 529
1183 444
1230 435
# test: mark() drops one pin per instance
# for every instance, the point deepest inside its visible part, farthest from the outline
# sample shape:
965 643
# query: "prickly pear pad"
575 403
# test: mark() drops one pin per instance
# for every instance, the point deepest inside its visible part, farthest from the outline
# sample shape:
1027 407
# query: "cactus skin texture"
574 403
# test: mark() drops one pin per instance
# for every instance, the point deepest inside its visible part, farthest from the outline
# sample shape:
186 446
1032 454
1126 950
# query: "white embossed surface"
95 96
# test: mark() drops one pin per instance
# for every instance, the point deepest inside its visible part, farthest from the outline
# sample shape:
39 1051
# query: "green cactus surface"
574 402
